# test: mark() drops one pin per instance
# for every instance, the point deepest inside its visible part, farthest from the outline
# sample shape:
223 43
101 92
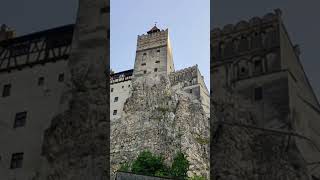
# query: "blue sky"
189 27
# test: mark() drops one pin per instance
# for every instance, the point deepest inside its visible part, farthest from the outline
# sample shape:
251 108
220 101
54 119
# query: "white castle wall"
41 104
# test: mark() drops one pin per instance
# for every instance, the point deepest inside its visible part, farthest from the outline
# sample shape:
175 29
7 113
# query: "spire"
154 29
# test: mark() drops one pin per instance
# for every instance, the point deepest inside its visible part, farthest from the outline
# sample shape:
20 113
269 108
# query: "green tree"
180 166
148 164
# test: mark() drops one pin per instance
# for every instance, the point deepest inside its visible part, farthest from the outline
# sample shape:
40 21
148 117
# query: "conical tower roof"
153 29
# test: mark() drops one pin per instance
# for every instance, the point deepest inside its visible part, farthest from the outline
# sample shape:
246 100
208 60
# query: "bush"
125 167
180 166
197 178
148 164
152 165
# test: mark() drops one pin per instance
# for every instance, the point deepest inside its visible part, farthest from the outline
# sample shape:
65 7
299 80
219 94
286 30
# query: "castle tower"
256 68
154 53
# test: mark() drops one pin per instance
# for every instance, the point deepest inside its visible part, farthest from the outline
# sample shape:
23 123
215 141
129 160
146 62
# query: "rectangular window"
258 95
20 119
155 69
157 62
115 112
61 77
40 81
111 90
190 91
105 9
16 160
143 64
144 72
116 99
6 90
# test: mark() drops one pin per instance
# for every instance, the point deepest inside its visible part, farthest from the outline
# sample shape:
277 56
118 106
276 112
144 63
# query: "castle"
157 108
267 113
154 56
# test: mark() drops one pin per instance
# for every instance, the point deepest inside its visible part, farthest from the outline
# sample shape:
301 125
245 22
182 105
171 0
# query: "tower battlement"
154 39
243 26
154 53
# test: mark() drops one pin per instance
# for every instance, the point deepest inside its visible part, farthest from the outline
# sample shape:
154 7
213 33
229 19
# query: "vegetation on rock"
153 165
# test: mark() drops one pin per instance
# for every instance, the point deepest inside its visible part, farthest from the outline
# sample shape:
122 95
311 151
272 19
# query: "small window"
20 119
16 160
40 81
190 91
128 85
116 99
144 54
105 9
243 70
6 90
61 77
158 50
122 87
157 62
143 64
258 95
111 90
155 69
144 72
257 66
115 112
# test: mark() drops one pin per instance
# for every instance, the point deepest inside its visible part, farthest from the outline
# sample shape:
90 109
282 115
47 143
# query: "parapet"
251 23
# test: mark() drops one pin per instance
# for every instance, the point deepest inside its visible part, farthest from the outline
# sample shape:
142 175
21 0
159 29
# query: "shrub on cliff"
152 165
148 164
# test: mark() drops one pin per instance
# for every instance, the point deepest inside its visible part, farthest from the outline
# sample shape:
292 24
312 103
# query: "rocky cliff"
163 119
242 150
76 143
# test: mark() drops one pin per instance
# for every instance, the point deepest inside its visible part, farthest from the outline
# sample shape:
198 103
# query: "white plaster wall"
41 104
122 91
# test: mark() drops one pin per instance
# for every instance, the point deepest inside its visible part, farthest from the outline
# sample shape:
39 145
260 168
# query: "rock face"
242 150
163 119
75 144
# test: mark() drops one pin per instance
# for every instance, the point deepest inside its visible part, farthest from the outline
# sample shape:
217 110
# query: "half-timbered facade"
32 74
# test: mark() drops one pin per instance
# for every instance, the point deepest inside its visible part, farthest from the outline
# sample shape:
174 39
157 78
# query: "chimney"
6 32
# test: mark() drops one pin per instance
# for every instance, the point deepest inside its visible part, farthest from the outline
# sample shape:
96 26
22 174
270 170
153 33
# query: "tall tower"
154 53
256 68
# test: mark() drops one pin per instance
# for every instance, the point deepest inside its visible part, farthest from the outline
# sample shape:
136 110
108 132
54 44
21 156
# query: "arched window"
256 40
244 44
